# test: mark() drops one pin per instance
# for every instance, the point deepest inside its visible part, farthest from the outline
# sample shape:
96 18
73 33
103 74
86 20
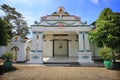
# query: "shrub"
106 53
7 56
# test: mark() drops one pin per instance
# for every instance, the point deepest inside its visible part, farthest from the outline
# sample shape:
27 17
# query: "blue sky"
88 10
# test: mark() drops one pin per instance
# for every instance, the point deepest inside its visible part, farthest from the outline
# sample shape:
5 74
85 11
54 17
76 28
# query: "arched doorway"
15 52
27 53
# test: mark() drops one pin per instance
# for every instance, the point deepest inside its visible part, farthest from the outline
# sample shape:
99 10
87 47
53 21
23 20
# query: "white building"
58 35
19 48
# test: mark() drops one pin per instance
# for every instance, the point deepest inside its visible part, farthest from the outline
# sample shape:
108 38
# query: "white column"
40 40
81 42
87 44
36 48
34 42
84 56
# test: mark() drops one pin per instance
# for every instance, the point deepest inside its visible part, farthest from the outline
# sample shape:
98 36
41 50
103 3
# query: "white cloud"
95 1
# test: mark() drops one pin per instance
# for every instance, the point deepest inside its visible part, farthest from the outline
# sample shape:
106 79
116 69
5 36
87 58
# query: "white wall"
73 46
48 46
2 50
20 53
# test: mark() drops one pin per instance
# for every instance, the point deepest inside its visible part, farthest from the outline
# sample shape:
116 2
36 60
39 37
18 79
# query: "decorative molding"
69 24
39 50
33 51
85 57
51 23
63 21
35 57
15 47
86 32
87 50
81 50
34 32
40 32
80 32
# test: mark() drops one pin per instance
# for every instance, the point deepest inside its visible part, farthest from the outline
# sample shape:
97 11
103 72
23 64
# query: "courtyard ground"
59 72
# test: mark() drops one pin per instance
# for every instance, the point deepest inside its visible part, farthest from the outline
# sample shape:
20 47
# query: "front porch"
59 59
60 46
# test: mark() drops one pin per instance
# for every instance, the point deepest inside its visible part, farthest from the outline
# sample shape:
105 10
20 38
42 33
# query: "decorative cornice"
34 32
40 32
39 50
33 51
86 32
87 50
81 50
80 32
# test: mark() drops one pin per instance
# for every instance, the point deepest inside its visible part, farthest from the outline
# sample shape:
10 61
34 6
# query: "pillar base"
85 58
36 58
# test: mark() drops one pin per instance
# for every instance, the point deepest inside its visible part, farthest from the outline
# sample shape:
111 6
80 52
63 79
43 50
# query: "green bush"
7 56
106 53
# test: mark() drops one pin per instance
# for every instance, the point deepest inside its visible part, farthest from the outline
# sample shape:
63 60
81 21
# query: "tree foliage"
17 24
3 32
107 31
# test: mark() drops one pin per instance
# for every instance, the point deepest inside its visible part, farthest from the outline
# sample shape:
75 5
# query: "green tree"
107 30
3 32
17 24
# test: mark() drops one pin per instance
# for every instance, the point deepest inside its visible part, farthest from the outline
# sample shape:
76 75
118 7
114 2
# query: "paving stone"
60 73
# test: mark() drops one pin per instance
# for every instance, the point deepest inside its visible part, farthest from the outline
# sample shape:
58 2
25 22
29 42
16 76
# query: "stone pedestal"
36 58
85 57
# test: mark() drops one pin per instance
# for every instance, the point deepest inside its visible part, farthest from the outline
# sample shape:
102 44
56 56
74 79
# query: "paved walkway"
42 72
